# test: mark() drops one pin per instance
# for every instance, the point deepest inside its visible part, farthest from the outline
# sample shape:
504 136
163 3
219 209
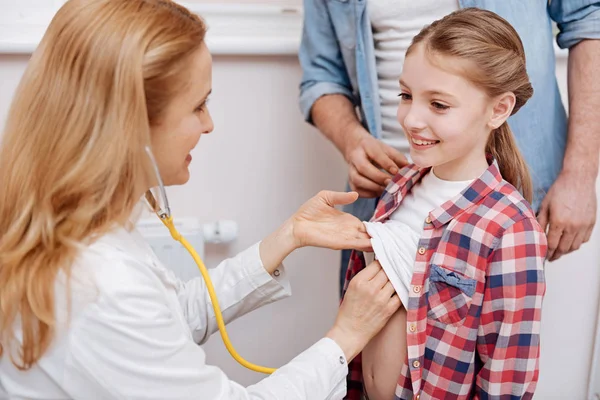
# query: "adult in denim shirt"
337 55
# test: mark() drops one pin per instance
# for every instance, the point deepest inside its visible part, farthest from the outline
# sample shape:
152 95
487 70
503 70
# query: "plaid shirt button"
416 364
422 250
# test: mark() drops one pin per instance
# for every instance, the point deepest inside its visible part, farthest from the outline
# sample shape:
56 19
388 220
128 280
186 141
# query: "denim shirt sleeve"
577 20
323 67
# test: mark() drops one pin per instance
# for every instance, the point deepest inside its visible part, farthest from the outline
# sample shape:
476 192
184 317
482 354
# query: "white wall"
262 162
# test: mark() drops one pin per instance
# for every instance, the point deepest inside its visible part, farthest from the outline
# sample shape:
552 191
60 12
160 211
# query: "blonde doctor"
86 309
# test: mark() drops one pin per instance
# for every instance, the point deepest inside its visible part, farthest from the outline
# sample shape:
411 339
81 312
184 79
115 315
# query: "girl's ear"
502 109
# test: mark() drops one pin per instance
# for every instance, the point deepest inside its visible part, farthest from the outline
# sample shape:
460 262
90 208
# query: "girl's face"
185 120
446 118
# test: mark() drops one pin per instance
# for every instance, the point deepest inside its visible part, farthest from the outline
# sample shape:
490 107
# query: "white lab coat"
133 328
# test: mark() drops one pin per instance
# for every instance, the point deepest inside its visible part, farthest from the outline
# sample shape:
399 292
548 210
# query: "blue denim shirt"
337 56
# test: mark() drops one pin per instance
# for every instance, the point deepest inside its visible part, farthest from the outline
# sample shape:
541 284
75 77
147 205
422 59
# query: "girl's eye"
405 96
439 106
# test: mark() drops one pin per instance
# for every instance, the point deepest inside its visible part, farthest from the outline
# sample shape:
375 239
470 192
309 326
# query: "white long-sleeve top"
133 332
395 241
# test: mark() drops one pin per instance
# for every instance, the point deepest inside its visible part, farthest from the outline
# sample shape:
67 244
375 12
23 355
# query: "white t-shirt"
394 24
395 241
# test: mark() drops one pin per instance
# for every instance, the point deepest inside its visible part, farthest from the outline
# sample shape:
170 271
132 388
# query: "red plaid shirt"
473 314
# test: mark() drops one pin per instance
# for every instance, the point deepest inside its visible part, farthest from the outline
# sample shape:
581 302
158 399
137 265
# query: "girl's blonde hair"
72 162
495 50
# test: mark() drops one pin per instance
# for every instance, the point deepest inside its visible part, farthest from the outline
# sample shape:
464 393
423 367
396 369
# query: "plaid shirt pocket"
449 296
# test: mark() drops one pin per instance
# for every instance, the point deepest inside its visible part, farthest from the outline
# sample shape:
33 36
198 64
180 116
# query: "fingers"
578 240
565 233
394 304
372 151
364 187
383 159
338 198
398 158
564 245
375 277
366 169
363 244
361 240
380 279
570 242
388 290
543 215
365 194
588 234
370 271
351 225
554 234
334 241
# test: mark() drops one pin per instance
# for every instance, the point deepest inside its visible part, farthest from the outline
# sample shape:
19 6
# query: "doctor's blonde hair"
72 162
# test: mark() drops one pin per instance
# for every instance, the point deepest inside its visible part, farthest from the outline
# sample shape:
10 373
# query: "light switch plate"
170 252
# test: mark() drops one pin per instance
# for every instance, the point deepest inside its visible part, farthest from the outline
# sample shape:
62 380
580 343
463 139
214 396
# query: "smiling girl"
454 231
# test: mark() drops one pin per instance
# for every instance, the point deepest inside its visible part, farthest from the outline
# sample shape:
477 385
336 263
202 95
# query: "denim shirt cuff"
311 94
574 32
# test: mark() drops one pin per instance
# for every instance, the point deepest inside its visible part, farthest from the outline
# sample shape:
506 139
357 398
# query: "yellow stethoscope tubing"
167 219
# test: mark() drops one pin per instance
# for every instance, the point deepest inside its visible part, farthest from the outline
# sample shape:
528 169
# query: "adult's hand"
368 304
568 213
318 223
371 163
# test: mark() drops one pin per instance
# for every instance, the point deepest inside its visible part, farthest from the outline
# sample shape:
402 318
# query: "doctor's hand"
318 223
368 304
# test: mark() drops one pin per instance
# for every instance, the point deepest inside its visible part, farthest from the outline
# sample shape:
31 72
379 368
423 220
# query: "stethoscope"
163 211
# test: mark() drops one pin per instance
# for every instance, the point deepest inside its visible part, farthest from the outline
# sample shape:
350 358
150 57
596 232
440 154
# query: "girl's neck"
461 170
